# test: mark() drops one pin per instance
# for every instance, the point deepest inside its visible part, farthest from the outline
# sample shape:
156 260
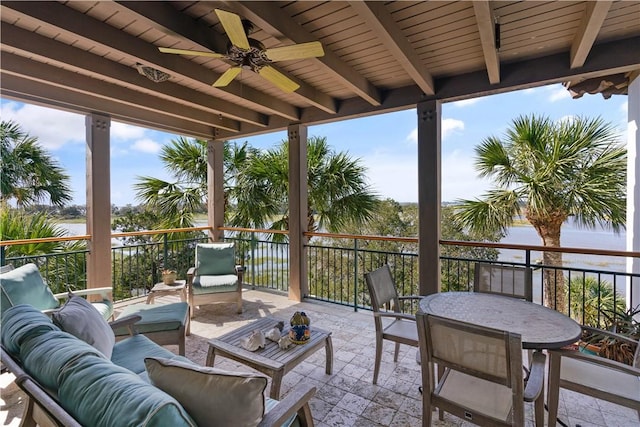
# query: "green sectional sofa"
69 382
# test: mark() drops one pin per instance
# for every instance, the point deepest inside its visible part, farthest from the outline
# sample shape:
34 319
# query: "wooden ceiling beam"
54 51
48 74
26 90
595 14
269 17
380 21
486 28
79 25
165 17
607 58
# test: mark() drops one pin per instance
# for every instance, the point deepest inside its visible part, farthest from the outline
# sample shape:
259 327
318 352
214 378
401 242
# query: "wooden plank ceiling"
82 56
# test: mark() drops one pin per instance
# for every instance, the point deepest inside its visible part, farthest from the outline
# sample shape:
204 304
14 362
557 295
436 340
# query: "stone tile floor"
348 397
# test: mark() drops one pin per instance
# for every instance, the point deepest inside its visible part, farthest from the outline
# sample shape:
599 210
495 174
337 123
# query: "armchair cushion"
78 317
208 284
215 258
155 317
25 285
235 398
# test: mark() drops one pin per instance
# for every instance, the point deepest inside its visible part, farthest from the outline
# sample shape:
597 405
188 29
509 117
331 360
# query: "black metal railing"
337 264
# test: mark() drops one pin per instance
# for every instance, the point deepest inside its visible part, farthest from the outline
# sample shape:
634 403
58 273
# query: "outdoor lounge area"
347 397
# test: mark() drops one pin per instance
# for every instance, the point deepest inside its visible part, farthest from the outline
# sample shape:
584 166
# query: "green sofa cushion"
156 317
99 393
215 258
45 356
292 421
131 352
24 285
20 323
213 284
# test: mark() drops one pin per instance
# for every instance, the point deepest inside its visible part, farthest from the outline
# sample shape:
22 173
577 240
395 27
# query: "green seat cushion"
46 356
215 259
99 393
25 285
213 284
20 323
131 352
156 317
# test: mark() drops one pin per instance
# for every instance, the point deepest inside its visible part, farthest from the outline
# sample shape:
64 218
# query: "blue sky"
386 144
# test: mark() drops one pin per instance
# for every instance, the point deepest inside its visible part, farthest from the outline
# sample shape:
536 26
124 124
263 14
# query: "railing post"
355 275
165 241
2 255
253 257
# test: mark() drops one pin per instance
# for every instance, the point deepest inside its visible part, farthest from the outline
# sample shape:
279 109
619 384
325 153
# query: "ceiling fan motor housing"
253 59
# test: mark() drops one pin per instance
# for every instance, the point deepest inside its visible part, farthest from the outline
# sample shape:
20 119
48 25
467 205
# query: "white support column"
98 200
633 189
429 195
298 207
215 188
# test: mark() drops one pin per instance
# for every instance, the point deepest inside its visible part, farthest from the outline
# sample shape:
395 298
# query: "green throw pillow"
211 396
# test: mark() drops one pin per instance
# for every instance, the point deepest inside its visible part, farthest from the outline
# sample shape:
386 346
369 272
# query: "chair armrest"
296 402
395 315
105 292
535 383
598 360
126 322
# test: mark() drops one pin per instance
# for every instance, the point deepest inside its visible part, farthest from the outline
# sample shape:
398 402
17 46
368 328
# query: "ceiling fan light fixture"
152 74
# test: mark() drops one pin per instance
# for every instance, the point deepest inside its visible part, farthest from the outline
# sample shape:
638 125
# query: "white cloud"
466 102
447 128
146 145
558 94
53 128
125 131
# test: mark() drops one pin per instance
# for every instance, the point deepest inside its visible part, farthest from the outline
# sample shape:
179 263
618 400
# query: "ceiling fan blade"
296 51
227 77
190 52
278 79
232 25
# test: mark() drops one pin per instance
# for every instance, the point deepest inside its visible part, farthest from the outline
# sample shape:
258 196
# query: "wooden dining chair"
509 280
482 380
385 303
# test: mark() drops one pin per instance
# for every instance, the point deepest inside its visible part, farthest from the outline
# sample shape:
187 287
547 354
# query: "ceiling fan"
250 54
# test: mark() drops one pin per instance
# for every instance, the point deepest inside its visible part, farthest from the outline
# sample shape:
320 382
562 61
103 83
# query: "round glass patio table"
539 327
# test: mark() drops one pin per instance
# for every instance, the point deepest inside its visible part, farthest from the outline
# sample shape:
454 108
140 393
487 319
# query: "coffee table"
160 289
270 360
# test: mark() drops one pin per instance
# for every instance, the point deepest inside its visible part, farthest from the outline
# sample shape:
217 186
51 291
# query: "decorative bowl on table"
169 277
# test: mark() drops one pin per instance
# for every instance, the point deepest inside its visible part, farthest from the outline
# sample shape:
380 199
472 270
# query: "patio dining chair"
482 380
594 375
386 306
509 280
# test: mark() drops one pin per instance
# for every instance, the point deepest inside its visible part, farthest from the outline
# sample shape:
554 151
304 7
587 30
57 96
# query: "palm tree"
550 171
337 190
256 185
28 173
